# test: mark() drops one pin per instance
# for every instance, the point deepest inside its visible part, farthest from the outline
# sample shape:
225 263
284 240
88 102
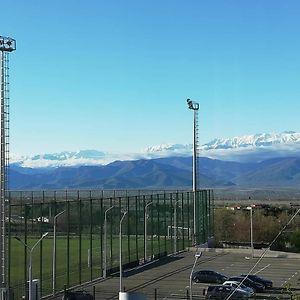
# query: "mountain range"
261 160
249 148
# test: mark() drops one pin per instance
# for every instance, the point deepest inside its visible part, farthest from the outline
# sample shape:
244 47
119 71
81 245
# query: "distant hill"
169 172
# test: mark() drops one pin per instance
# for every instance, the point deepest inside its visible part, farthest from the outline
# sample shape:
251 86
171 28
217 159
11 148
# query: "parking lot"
169 278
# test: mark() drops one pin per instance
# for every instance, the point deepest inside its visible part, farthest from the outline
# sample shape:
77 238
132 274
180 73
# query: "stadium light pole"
105 242
195 107
120 250
146 231
54 252
30 249
7 45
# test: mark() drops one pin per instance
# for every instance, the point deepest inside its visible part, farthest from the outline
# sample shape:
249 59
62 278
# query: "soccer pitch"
79 260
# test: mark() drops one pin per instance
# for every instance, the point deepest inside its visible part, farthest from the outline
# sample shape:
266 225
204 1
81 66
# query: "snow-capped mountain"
65 158
250 148
256 140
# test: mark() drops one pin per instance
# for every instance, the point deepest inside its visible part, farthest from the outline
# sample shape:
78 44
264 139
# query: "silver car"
237 285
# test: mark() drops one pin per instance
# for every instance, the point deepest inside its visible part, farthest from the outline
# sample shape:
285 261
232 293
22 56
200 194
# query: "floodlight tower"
195 107
7 45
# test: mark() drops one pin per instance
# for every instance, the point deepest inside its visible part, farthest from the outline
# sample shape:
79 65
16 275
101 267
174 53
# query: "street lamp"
145 233
197 256
175 226
105 241
120 249
54 252
251 231
30 261
195 107
251 228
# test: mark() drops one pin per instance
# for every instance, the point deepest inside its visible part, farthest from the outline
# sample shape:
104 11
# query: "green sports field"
79 260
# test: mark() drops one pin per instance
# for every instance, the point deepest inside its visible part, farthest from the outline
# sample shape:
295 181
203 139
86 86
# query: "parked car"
256 286
223 291
77 295
238 285
208 276
266 282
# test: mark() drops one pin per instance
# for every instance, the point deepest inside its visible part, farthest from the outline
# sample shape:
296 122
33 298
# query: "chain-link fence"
84 233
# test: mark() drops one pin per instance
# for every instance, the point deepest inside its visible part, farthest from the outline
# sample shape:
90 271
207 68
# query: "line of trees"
233 226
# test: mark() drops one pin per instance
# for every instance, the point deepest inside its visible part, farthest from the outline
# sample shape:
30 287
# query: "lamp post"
195 107
120 249
30 261
251 228
54 252
105 242
175 226
197 256
251 231
145 233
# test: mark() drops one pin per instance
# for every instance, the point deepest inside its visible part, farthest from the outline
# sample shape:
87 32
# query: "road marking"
267 266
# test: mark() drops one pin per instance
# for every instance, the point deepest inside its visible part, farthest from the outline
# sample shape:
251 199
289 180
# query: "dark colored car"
267 283
209 276
77 295
256 286
223 291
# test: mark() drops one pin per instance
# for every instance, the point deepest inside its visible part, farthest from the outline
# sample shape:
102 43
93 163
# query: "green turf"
74 272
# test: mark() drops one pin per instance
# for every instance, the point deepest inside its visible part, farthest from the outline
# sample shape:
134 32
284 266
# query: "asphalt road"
169 278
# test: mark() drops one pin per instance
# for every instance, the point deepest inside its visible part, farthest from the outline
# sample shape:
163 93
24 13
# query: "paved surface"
169 278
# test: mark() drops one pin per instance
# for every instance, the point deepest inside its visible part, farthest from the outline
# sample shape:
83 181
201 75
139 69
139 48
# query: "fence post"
155 294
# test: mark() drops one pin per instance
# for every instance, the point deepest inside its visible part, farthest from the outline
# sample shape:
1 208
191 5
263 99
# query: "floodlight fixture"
7 44
192 104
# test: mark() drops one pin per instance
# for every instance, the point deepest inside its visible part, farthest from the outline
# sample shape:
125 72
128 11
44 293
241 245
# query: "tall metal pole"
120 250
105 242
195 152
195 107
3 175
146 230
54 252
6 45
195 175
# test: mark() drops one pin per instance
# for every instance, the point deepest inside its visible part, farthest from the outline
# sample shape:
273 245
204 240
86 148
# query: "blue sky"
115 75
